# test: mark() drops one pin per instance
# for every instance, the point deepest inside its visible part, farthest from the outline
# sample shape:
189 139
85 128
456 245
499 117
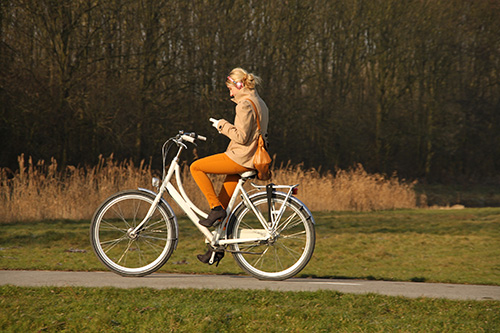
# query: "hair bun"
249 80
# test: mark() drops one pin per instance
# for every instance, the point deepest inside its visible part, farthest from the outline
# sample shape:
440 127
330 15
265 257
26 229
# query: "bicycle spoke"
293 253
113 242
142 257
112 227
247 225
119 213
294 236
277 261
126 250
261 257
155 247
138 206
288 224
146 237
152 226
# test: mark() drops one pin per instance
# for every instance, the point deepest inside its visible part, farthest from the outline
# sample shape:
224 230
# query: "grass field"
149 310
457 246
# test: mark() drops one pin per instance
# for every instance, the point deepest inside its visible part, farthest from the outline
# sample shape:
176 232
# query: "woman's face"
232 90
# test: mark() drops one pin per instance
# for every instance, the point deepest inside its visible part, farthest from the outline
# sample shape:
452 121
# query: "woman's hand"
215 123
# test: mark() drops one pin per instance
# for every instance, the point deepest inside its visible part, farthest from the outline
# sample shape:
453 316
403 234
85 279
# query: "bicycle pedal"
212 258
216 257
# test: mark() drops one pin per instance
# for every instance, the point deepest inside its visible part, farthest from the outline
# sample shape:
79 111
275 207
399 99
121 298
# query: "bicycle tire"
283 256
123 253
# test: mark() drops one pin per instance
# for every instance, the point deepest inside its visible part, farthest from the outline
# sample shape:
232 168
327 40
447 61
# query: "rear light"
295 190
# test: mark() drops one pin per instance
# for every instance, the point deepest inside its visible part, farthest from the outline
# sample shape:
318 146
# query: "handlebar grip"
188 138
191 137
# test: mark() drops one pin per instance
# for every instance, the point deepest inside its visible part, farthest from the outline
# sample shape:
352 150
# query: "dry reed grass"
347 190
40 191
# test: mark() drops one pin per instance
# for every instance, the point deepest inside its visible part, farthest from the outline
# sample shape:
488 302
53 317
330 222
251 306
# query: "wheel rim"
283 255
118 247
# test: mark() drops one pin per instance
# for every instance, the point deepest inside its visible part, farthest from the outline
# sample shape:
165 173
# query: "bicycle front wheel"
118 248
283 254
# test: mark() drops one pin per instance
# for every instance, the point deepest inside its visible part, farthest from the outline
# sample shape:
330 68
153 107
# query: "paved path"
164 281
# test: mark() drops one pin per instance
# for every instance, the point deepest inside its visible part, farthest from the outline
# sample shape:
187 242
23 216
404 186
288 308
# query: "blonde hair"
249 80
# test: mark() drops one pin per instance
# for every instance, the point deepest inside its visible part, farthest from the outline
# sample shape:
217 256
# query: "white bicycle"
270 233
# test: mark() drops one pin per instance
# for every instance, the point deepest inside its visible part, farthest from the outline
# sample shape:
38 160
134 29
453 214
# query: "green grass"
455 246
148 310
458 246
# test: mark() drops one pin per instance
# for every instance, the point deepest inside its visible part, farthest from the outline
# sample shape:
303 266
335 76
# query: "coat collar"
244 94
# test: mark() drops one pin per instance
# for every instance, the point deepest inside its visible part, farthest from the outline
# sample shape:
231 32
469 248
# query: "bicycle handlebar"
191 137
179 140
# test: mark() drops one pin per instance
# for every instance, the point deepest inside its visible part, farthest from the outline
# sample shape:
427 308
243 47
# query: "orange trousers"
217 164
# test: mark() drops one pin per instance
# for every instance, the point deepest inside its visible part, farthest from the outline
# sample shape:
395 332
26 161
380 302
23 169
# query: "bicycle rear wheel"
285 253
121 251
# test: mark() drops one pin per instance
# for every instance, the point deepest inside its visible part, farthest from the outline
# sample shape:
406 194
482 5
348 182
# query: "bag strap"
266 144
256 114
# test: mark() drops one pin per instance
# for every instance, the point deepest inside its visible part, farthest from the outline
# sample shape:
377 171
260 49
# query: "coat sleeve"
241 131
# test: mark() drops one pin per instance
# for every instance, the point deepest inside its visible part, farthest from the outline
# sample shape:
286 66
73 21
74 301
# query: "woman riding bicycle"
239 154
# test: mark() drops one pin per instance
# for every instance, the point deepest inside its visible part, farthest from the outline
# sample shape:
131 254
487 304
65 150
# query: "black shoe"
205 258
217 213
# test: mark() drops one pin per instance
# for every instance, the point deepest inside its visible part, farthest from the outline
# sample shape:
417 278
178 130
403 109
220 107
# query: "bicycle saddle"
249 174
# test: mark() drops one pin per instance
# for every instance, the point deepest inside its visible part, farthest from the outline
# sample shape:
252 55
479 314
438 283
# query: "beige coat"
244 133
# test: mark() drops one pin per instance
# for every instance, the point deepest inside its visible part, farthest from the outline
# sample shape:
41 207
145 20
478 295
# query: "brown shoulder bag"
261 159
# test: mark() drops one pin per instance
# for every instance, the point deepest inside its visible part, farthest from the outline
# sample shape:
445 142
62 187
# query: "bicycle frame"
269 228
269 232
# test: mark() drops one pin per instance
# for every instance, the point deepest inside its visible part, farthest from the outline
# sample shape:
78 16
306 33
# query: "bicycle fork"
159 195
178 198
